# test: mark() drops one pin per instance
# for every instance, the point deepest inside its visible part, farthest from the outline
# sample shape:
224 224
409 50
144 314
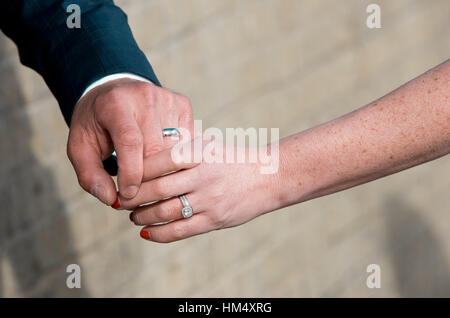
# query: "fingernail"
131 191
99 192
145 235
132 217
116 204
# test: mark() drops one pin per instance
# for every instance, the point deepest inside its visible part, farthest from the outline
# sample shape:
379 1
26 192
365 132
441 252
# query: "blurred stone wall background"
290 64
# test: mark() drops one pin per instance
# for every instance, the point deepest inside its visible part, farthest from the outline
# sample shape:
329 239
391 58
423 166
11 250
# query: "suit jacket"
71 59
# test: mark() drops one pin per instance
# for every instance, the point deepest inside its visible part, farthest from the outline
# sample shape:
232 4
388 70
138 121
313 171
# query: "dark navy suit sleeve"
71 59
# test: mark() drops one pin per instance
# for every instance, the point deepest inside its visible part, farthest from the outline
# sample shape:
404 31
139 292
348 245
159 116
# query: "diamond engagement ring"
187 210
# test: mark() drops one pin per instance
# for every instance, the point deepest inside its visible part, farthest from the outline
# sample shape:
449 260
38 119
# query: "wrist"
113 77
296 179
269 182
93 93
278 189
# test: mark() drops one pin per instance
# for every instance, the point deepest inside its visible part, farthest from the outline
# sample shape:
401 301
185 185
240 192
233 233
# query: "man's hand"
126 116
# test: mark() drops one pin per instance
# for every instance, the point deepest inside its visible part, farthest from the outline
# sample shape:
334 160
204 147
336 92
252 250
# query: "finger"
162 188
178 230
185 119
169 119
152 132
128 144
163 211
88 166
170 141
180 118
163 162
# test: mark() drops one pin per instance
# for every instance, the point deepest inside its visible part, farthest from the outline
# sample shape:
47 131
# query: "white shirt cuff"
113 77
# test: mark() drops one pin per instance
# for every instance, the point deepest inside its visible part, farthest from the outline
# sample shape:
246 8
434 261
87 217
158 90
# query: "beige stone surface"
289 64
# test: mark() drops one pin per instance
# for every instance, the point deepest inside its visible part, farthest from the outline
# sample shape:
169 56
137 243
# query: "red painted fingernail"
145 235
131 217
116 204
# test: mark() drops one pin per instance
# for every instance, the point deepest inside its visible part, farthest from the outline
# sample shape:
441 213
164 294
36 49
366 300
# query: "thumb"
91 175
128 143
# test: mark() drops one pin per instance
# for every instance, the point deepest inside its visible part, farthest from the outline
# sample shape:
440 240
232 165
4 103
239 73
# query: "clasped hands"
128 116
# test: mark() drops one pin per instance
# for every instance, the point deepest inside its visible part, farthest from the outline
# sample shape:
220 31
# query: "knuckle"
175 209
218 220
197 176
150 149
178 230
167 97
163 213
184 105
148 92
128 175
160 188
129 136
185 102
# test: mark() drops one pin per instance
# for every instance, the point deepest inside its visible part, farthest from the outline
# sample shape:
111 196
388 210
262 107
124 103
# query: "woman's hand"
221 194
407 127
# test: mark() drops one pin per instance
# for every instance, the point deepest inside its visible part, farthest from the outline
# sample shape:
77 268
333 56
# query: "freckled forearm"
407 127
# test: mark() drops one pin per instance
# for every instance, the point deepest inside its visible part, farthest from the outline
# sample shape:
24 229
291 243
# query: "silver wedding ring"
171 132
187 211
